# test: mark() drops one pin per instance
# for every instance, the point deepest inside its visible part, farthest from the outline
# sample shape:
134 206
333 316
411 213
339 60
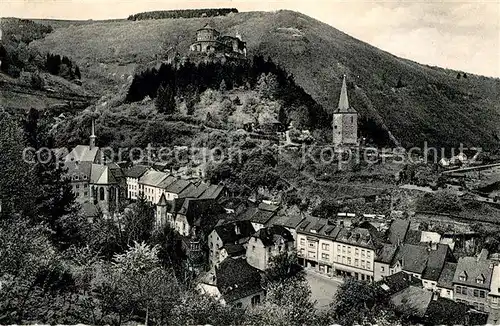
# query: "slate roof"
413 257
100 174
152 178
387 254
319 227
213 192
234 250
360 237
197 191
422 260
258 215
83 153
268 207
289 221
413 237
262 216
162 201
227 232
413 299
166 182
446 277
473 268
435 262
236 279
395 283
178 186
81 169
273 235
196 209
397 231
343 105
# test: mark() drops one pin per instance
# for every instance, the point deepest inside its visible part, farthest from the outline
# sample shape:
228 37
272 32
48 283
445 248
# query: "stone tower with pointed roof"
345 120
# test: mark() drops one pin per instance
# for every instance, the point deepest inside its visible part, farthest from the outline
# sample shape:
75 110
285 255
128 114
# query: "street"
322 289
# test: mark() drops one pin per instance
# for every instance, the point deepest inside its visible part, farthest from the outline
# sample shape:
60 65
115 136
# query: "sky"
461 35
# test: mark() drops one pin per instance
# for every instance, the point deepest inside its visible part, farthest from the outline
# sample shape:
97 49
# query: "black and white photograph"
249 162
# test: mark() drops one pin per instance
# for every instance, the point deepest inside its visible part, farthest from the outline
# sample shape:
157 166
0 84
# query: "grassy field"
434 105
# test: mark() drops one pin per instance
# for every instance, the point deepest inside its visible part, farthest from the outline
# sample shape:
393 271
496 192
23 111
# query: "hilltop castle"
209 40
345 121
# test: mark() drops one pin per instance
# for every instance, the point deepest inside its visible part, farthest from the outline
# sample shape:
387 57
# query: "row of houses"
153 184
365 248
407 296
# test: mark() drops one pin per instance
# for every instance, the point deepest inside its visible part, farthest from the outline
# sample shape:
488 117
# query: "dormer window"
480 279
463 276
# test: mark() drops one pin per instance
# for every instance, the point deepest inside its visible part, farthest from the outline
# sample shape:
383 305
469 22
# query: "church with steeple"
345 121
94 183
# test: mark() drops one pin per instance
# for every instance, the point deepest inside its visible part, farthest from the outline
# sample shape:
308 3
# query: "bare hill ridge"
415 102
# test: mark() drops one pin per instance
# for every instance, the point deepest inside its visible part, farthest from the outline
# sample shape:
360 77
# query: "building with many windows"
315 243
354 251
472 281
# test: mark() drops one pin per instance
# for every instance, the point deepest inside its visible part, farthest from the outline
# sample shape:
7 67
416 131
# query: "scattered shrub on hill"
16 56
184 13
14 52
439 202
190 80
62 67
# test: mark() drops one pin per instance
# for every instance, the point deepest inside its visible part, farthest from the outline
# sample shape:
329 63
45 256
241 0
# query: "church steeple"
343 100
92 136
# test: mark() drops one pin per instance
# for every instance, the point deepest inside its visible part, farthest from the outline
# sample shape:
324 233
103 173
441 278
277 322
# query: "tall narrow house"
345 121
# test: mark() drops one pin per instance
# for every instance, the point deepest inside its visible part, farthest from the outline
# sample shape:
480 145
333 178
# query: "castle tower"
345 120
161 212
92 136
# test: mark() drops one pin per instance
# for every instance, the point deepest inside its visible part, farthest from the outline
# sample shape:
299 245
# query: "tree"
287 303
267 85
138 222
196 309
25 252
285 266
17 179
458 76
400 83
357 302
282 116
165 99
77 73
53 195
223 86
439 202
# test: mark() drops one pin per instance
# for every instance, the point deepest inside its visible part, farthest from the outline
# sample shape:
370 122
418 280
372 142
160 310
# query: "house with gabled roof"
315 244
233 282
233 233
259 215
445 281
180 188
151 185
472 280
355 249
267 243
132 175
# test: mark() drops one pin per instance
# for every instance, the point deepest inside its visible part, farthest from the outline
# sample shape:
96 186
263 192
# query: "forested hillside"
416 103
